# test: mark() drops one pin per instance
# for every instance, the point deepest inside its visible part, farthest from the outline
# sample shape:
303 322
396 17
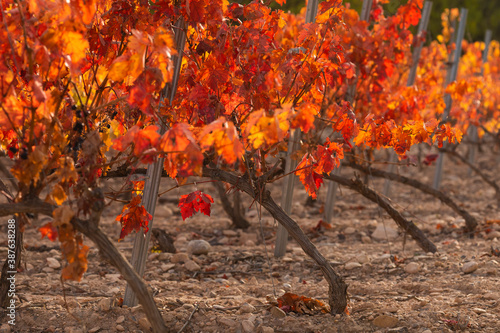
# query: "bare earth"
391 282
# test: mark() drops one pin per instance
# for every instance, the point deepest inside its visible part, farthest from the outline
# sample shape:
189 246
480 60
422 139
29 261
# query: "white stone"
120 328
114 291
229 233
385 233
113 277
349 230
153 256
188 306
277 312
167 267
53 263
253 281
144 324
412 268
247 308
247 326
104 304
352 265
179 257
362 258
164 256
120 319
198 246
192 266
493 234
469 267
227 322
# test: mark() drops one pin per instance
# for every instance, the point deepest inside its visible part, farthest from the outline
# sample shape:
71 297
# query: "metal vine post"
424 22
450 77
290 165
153 175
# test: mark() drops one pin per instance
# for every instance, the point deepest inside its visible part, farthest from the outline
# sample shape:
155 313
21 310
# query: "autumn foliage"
82 82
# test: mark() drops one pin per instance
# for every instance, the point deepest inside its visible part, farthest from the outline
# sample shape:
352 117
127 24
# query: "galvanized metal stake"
424 22
351 92
447 98
153 175
286 202
473 129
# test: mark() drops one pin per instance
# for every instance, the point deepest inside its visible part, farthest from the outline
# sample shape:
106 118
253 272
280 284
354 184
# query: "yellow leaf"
58 195
223 137
75 46
264 130
119 69
136 66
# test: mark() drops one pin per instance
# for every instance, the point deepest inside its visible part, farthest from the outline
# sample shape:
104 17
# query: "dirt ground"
393 285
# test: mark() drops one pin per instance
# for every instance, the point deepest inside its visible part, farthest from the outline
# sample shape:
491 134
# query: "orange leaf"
74 252
222 136
294 303
119 69
66 171
183 156
146 139
49 230
85 9
305 117
263 130
76 46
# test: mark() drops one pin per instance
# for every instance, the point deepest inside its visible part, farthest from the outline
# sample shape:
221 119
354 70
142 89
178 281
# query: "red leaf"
196 201
311 179
49 230
328 157
133 217
183 156
430 158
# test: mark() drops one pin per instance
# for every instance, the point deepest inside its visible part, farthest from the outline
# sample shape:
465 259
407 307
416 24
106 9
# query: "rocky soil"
393 285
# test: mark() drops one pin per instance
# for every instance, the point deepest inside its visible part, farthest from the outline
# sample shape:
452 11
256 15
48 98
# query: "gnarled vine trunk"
337 295
470 221
370 194
90 229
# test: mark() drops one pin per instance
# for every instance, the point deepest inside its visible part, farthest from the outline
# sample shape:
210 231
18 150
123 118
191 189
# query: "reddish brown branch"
232 210
407 226
470 221
481 174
